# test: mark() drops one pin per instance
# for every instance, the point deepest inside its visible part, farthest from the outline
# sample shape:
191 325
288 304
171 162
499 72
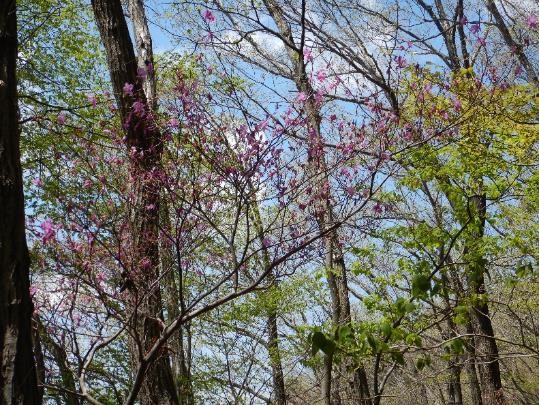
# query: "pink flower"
532 22
138 107
49 231
378 208
350 191
401 62
173 123
87 184
145 263
141 73
308 55
301 97
209 37
457 104
61 119
321 75
208 16
266 242
319 96
475 28
128 89
92 99
481 41
37 182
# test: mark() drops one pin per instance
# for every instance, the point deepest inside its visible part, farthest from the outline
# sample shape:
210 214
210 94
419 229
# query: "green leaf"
321 342
398 357
413 339
420 285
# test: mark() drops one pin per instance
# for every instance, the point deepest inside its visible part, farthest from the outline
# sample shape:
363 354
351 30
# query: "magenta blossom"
92 99
532 22
401 62
301 97
61 119
141 73
308 55
49 231
475 28
266 242
128 89
173 123
208 16
138 107
321 75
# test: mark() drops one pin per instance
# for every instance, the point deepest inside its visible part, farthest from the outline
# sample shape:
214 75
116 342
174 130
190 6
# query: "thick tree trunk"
486 348
143 41
144 146
18 380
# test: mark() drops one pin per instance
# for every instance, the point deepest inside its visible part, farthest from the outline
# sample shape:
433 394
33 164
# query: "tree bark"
143 41
18 380
486 348
475 388
275 360
175 305
143 142
69 388
274 351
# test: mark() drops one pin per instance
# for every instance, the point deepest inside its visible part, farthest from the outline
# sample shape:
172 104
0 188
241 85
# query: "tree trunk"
475 389
275 360
143 141
486 348
356 381
69 388
143 41
274 351
511 43
454 390
175 304
454 387
18 380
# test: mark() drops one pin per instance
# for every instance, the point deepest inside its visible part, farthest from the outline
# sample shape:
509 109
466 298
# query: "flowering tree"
313 201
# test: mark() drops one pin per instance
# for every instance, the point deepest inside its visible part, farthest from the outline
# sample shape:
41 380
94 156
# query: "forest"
269 202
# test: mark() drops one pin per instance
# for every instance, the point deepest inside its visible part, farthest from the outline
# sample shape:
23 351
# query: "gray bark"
143 137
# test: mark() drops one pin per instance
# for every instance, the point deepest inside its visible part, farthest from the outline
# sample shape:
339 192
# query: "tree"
18 380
